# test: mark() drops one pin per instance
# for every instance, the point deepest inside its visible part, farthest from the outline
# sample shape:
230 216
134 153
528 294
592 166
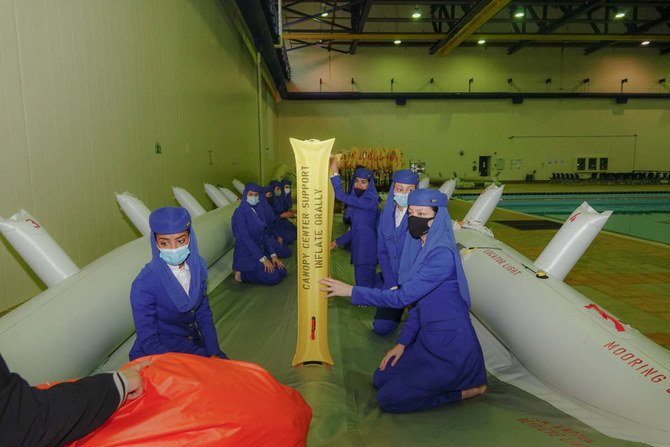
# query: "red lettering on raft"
502 262
646 370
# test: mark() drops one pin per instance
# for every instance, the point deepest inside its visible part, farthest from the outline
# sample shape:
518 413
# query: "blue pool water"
644 215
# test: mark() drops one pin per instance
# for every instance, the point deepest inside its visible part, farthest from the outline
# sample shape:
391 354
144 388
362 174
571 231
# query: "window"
593 163
581 164
603 164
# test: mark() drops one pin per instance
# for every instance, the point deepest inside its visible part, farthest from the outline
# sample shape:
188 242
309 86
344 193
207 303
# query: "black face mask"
359 192
418 225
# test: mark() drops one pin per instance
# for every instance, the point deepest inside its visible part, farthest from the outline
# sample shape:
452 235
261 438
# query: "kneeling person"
255 257
169 297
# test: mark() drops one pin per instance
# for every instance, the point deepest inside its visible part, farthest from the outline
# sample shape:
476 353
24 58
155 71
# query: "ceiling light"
620 15
416 13
324 13
645 43
481 41
519 12
397 41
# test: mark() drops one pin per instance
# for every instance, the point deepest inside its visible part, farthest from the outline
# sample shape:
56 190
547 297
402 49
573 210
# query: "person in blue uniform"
272 226
255 259
438 358
169 297
288 198
65 412
284 227
391 234
362 202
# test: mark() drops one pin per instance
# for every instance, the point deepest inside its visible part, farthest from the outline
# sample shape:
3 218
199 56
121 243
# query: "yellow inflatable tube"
314 216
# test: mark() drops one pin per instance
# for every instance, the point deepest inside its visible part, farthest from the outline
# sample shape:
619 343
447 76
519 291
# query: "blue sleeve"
344 239
410 328
242 236
278 205
272 229
269 241
383 258
364 202
206 324
145 315
435 269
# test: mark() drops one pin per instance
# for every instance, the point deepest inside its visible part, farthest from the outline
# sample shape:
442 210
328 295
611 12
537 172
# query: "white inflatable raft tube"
189 202
597 364
217 196
136 210
448 187
232 198
74 326
36 246
238 185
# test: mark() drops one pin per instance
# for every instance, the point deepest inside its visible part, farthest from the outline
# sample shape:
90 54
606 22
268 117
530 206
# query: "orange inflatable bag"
199 401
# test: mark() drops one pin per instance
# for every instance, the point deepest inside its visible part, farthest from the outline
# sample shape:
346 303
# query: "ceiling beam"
481 14
634 30
306 17
493 37
360 24
554 25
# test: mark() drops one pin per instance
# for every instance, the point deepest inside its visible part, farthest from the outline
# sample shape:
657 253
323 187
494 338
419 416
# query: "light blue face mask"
174 256
252 200
278 193
400 199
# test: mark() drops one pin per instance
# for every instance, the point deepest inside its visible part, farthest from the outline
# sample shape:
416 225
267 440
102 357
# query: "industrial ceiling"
279 27
442 26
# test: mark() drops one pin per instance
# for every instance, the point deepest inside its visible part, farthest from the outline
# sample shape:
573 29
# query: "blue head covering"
172 220
276 184
440 234
364 173
361 172
266 211
288 198
400 176
253 213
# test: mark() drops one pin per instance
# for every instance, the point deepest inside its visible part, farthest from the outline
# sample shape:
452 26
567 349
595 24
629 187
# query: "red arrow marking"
606 316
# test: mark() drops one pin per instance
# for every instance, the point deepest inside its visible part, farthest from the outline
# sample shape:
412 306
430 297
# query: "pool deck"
629 277
570 188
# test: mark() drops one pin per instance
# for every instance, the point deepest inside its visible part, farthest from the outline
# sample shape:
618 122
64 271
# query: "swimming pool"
645 215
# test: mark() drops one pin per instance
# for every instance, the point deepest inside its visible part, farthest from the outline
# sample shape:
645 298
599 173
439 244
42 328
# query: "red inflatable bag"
197 401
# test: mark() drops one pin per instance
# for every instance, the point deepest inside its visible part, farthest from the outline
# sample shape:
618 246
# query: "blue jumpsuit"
363 233
272 226
287 197
253 242
284 227
442 355
390 241
166 318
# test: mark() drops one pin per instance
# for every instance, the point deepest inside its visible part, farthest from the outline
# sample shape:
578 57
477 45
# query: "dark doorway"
484 165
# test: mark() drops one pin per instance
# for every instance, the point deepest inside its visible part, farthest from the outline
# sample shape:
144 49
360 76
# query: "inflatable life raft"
545 337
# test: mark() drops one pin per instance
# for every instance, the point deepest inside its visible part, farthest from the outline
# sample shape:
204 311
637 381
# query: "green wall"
542 135
88 87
